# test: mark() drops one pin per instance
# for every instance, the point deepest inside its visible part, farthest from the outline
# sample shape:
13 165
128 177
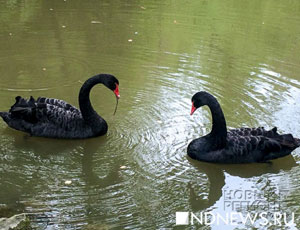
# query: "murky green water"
244 52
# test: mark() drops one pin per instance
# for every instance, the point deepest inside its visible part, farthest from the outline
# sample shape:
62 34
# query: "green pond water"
138 176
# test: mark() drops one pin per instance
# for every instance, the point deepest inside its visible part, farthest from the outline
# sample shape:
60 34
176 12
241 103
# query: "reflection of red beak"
116 91
193 108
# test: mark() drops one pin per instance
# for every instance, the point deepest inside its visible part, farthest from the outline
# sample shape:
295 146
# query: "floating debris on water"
123 167
130 40
68 182
96 22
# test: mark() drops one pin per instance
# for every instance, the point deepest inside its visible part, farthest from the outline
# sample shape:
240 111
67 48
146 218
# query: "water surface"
246 53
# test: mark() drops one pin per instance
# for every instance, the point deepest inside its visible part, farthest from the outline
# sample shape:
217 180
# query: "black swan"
48 117
244 145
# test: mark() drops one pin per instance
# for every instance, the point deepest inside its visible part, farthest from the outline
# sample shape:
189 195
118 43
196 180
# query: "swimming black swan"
244 145
48 117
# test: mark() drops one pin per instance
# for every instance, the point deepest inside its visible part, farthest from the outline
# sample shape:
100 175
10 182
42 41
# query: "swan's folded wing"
51 112
252 146
56 102
58 116
261 148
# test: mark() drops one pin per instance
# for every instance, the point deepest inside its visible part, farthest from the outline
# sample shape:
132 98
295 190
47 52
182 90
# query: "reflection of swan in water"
85 148
22 151
39 145
216 177
48 156
91 178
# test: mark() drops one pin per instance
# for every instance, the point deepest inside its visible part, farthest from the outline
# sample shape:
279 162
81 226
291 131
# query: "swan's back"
47 117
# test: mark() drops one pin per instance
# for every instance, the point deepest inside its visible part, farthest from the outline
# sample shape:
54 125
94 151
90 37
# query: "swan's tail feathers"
288 141
272 133
5 116
297 141
21 102
280 146
24 109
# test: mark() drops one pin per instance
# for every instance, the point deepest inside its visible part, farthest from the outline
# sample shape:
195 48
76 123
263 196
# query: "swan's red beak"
116 91
193 108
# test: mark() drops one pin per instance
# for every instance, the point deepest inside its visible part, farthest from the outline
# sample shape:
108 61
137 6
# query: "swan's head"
112 83
200 99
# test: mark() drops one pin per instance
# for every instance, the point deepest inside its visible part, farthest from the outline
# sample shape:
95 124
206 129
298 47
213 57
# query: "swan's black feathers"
245 145
258 144
24 109
46 113
57 115
43 109
260 131
57 102
259 138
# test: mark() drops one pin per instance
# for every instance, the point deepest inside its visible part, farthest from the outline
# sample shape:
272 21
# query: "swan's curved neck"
219 129
87 111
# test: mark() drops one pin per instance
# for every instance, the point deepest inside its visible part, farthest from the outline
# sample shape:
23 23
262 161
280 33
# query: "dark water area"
138 176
